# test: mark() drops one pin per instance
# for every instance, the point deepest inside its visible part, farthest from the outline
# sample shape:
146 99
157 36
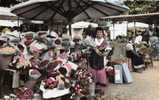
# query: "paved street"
144 87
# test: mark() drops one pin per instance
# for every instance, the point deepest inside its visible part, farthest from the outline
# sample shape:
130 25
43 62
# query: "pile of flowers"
80 85
57 79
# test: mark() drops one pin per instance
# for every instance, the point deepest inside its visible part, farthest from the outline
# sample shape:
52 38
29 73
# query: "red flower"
50 83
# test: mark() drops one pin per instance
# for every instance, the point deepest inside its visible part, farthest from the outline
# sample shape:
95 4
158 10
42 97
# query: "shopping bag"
126 73
118 74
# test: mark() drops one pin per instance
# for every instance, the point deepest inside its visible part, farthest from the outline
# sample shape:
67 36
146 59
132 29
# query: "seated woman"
136 58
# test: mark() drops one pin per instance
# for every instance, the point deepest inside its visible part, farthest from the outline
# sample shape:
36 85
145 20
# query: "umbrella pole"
70 31
128 35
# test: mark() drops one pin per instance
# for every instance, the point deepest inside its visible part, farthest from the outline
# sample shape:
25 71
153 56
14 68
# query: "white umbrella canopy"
83 24
137 24
5 14
67 10
9 23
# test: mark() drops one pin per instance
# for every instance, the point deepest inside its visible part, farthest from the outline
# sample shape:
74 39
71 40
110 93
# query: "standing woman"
96 61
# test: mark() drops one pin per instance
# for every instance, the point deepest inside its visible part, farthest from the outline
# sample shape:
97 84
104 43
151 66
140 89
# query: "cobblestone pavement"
144 87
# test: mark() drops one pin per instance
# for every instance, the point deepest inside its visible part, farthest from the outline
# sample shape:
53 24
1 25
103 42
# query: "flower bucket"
92 89
77 98
5 61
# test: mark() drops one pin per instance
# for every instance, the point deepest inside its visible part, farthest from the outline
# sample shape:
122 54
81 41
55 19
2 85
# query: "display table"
53 93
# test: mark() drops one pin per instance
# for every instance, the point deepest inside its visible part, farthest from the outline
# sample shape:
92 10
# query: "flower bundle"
50 83
83 74
110 71
22 63
51 67
88 42
80 87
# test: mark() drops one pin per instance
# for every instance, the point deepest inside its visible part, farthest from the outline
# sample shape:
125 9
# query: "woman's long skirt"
100 79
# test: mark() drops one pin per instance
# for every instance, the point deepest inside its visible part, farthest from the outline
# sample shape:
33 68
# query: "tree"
141 6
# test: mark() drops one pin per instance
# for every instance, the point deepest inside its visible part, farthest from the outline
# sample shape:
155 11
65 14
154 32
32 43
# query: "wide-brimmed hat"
30 34
3 39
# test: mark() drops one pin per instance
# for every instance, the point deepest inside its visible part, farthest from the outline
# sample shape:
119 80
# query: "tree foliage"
141 6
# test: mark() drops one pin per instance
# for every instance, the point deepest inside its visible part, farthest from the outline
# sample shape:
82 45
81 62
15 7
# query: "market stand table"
54 94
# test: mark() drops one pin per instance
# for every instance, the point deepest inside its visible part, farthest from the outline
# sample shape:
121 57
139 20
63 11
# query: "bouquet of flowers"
110 71
58 81
80 87
88 42
50 83
22 63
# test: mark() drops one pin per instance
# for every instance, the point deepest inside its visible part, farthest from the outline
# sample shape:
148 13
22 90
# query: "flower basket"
24 93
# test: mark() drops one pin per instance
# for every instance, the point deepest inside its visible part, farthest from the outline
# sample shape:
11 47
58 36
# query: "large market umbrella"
67 10
5 14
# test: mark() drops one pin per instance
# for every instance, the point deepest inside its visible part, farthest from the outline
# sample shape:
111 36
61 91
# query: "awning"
149 18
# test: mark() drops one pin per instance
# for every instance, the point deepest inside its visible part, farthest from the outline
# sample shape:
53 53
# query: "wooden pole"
128 35
70 29
113 30
134 28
